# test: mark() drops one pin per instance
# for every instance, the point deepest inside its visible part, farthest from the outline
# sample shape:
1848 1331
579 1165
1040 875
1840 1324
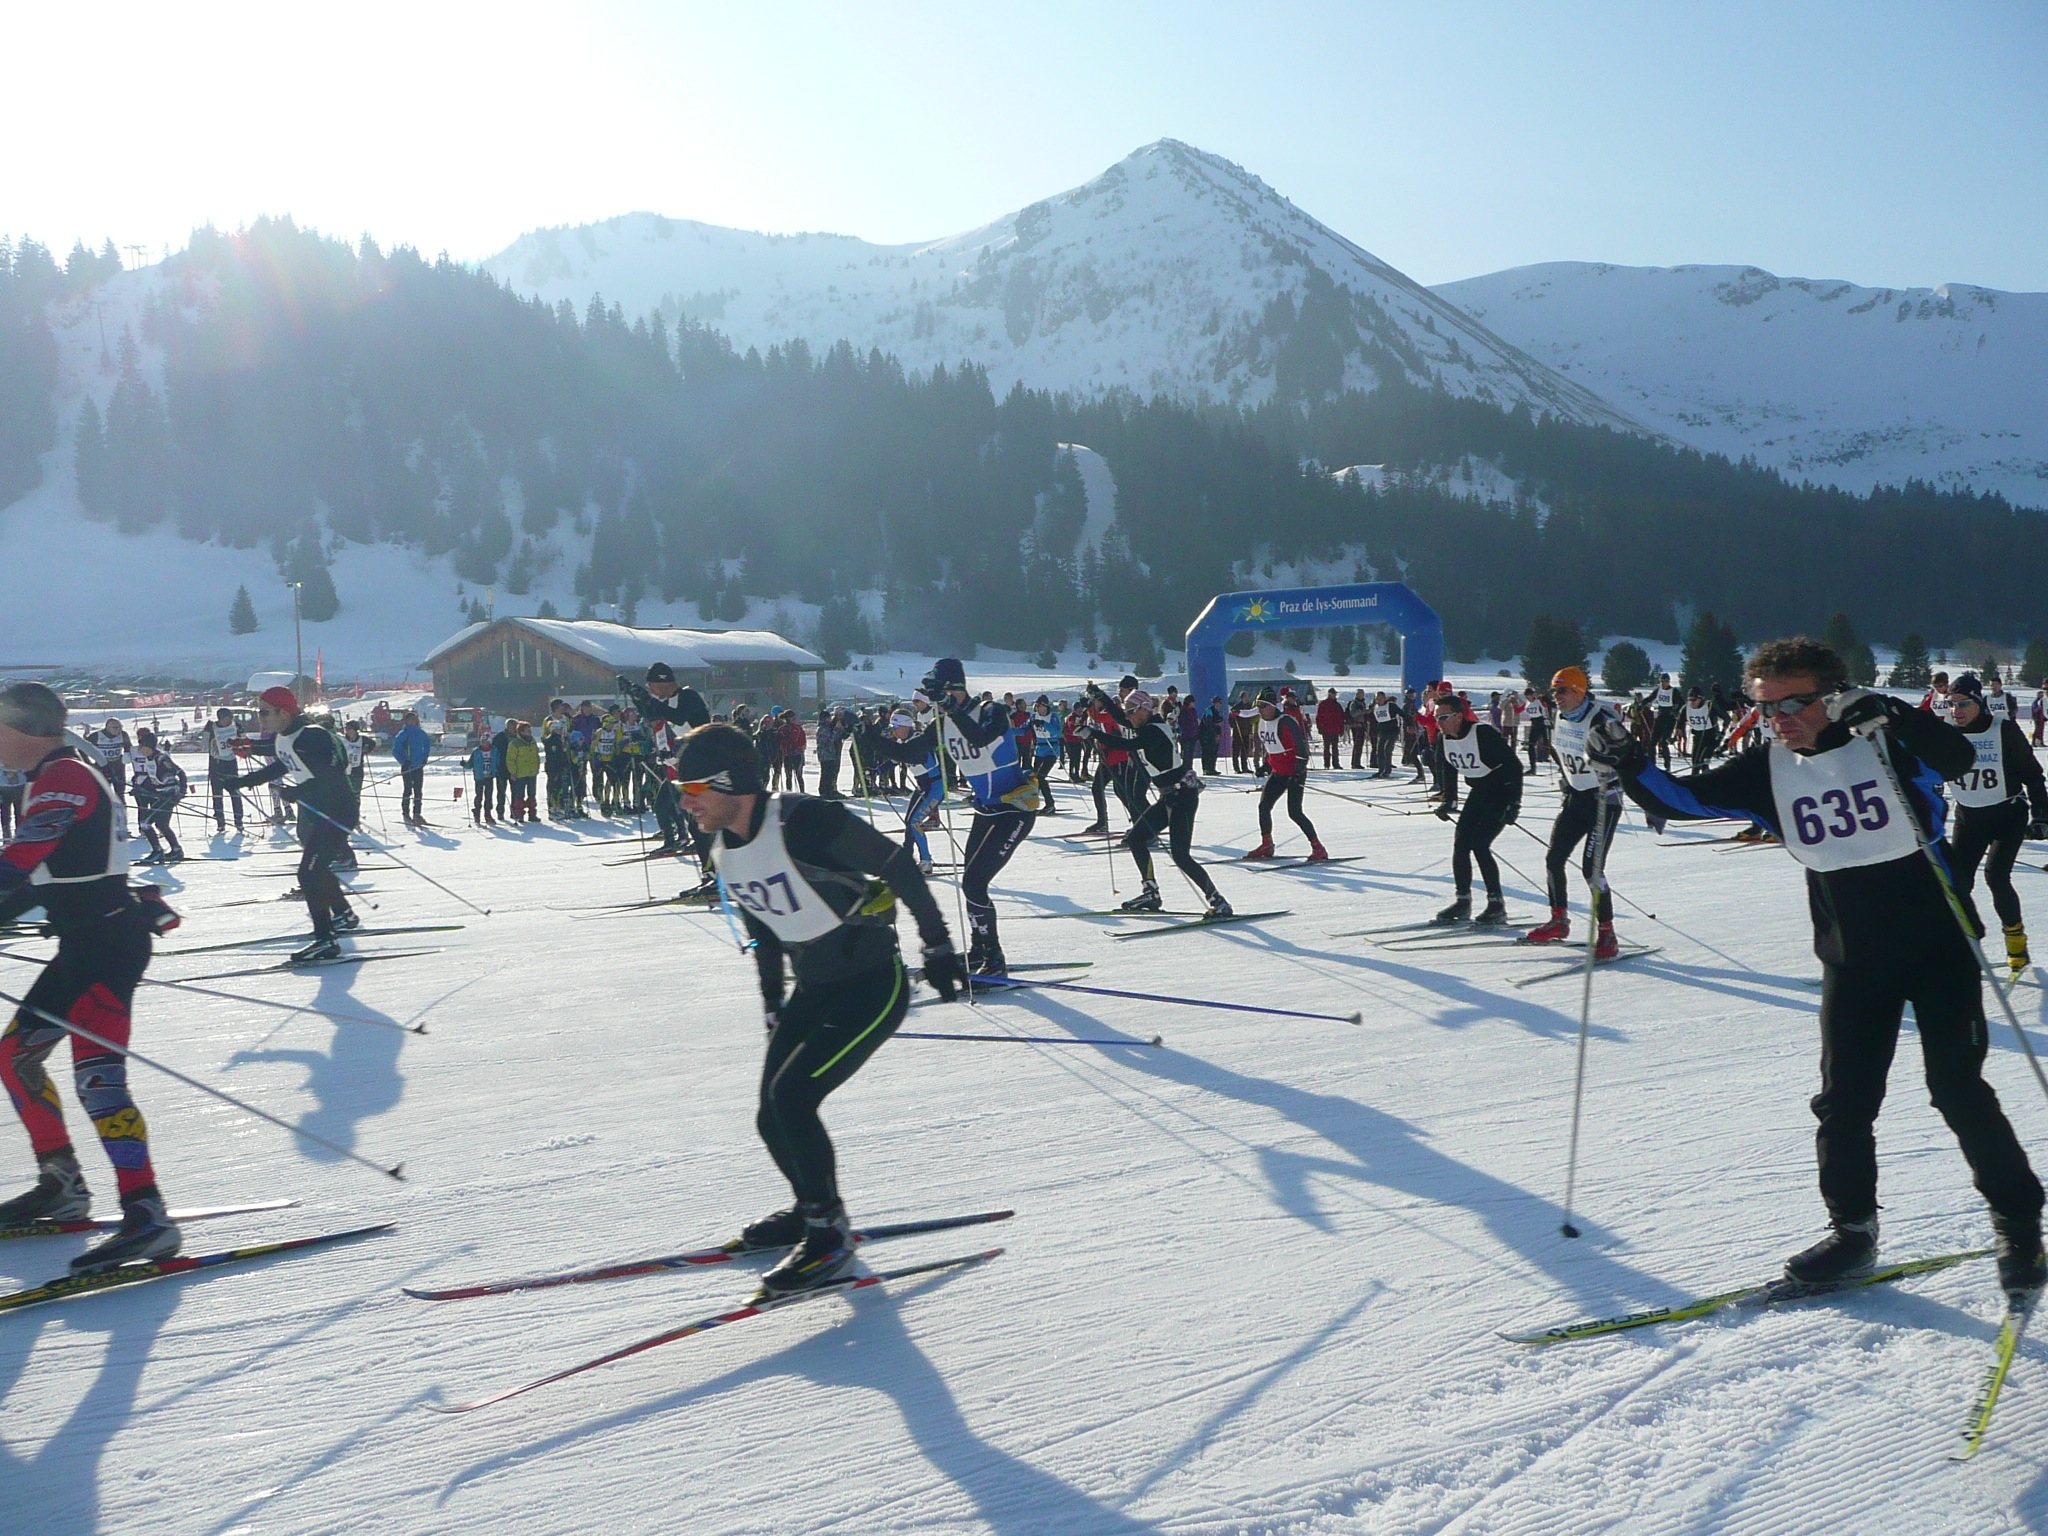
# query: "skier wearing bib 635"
818 886
1851 783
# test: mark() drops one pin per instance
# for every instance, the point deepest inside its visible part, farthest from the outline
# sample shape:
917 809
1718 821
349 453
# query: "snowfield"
1254 1279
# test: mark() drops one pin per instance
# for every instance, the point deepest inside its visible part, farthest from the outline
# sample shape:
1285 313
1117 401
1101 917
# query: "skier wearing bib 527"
819 886
67 860
1830 785
2000 802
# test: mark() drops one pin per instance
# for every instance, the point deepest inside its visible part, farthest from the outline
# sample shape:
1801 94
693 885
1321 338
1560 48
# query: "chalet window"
505 655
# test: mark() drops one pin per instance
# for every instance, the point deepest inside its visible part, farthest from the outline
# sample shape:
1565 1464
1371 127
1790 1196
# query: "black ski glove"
1610 743
945 970
1863 710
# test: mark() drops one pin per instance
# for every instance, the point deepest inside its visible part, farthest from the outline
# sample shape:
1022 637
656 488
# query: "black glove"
1513 814
2037 829
1610 743
1862 710
770 1017
626 684
1444 813
289 792
945 970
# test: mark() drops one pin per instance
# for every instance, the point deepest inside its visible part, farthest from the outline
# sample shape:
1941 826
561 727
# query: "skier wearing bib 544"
1882 929
817 886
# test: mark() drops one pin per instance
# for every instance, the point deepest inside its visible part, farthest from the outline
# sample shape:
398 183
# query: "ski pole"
395 1171
1571 1165
393 856
1010 982
1955 903
1611 891
242 997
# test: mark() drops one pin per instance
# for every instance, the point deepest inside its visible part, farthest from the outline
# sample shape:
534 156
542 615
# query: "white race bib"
1837 810
764 879
1985 784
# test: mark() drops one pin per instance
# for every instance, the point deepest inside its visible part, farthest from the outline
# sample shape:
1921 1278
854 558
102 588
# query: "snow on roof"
622 647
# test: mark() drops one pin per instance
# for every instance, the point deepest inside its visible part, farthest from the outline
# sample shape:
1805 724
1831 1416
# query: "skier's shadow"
356 1079
1386 1151
871 1350
55 1491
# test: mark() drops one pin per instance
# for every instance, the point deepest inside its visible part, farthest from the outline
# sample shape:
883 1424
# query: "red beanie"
280 698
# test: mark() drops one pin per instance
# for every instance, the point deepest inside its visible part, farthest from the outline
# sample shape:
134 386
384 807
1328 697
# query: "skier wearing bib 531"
1831 786
816 884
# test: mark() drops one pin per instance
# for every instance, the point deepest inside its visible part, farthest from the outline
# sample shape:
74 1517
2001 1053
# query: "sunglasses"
1791 704
694 787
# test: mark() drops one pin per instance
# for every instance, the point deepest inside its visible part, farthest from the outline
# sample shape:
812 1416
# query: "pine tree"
89 455
2034 665
1910 668
1553 644
548 610
1857 656
1342 640
1626 668
1712 655
242 616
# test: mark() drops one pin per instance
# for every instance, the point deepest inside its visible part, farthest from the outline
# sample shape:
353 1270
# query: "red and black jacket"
65 857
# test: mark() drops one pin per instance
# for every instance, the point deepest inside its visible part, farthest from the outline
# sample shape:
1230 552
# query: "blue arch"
1373 602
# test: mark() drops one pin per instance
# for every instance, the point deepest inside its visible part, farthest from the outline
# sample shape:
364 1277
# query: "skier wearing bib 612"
819 886
1477 753
1851 784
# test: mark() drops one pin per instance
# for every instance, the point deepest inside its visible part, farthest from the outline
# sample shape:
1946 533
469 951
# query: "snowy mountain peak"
1174 272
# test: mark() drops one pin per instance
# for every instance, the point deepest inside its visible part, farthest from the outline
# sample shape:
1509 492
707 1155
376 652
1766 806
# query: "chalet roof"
623 648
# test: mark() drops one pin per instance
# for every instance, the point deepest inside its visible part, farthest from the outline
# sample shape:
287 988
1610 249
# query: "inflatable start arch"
1375 602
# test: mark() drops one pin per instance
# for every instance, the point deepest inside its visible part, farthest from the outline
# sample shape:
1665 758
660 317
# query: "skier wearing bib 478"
1477 753
818 886
1882 929
2000 803
1162 758
981 744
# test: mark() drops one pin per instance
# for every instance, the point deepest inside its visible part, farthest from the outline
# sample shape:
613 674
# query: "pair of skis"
724 1253
1778 1292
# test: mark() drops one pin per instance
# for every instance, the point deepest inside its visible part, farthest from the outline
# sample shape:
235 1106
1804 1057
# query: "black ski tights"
1996 831
1479 823
821 1037
994 836
1292 787
1176 814
1575 824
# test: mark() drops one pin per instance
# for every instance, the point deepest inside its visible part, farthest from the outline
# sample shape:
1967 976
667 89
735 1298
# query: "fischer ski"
1768 1293
724 1253
1200 922
70 1286
309 966
754 1308
2002 1352
306 938
109 1224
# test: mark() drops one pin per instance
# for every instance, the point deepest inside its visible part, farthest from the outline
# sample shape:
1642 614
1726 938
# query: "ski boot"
1218 907
1605 945
925 866
347 920
990 963
1556 931
1146 900
146 1232
1459 911
783 1229
1493 915
1094 829
1317 853
1848 1252
1263 851
705 890
175 856
2022 1266
58 1194
320 950
825 1253
2016 956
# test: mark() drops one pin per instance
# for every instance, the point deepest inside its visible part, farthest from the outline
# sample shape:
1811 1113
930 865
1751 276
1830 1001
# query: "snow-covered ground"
1825 381
1252 1285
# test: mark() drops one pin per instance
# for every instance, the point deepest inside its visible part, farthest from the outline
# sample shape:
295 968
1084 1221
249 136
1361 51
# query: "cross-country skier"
1477 753
927 790
221 737
1702 729
981 743
1113 765
311 769
661 697
411 746
817 888
158 784
67 860
1162 758
1882 928
1284 739
2000 802
1590 793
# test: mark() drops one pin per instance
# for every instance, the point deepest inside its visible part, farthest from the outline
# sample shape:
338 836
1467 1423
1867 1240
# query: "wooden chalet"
515 666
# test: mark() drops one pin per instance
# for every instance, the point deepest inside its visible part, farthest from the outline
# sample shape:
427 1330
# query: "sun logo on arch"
1257 611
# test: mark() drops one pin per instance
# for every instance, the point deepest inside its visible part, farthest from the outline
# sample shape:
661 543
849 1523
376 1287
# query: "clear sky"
1885 143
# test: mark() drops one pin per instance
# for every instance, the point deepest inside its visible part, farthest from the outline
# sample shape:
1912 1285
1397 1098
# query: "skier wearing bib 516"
1477 753
1882 929
67 860
816 884
2000 802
